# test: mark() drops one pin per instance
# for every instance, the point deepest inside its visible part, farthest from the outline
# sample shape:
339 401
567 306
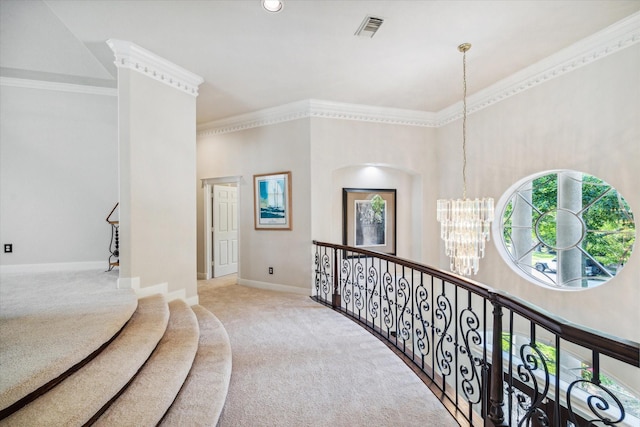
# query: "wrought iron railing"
453 332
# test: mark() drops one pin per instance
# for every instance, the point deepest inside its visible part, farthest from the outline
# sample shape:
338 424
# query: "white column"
157 161
569 228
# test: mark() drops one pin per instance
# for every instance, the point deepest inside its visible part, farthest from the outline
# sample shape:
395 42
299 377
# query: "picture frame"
272 201
369 219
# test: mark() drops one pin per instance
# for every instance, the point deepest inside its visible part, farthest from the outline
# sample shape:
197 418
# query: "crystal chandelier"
465 223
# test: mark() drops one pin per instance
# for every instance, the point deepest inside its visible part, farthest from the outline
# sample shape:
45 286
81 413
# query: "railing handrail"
617 348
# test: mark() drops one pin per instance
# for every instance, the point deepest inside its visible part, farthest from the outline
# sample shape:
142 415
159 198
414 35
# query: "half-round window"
565 230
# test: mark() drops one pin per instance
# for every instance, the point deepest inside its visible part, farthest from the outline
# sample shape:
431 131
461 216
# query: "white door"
225 230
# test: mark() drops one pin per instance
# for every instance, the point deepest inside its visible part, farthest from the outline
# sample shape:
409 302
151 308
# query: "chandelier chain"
464 123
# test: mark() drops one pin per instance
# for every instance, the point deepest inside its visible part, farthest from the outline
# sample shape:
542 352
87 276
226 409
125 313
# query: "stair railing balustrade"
491 358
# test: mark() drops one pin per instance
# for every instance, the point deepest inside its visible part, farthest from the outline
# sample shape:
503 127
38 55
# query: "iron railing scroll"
493 359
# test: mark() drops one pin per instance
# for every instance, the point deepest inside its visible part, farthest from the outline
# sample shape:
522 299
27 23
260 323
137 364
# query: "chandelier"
465 223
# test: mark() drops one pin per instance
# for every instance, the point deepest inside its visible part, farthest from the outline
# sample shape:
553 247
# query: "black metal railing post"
336 301
496 389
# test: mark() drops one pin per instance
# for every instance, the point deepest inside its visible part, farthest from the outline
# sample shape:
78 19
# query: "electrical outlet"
8 248
270 270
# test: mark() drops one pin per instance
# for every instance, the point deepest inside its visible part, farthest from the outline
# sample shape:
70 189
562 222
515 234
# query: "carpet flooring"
43 315
298 363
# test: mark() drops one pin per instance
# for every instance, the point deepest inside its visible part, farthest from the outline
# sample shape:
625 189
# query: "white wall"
157 195
276 148
58 175
588 121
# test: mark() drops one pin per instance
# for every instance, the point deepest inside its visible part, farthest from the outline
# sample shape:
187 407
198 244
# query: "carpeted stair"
199 400
170 363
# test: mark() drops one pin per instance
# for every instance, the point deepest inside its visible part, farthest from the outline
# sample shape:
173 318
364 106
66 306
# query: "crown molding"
612 39
320 109
367 113
131 56
267 116
57 86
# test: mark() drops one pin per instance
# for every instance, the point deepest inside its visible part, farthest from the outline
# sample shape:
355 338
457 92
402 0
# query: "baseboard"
179 294
202 276
182 294
51 267
160 288
274 287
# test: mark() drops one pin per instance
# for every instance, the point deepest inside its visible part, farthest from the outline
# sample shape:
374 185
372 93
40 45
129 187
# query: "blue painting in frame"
272 201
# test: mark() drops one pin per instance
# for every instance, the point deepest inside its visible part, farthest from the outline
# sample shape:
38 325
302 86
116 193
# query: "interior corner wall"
268 149
587 121
58 175
357 154
157 171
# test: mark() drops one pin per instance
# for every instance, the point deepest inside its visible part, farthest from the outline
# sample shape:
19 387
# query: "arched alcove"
409 201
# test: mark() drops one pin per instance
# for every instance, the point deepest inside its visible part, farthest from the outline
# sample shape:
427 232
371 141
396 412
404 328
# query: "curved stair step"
67 316
86 392
154 389
202 398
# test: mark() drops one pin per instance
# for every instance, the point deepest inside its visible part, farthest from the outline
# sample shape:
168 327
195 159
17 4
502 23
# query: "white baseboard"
182 294
195 300
160 288
179 294
52 267
202 276
274 287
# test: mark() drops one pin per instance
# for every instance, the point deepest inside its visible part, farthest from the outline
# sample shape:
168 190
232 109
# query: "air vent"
369 26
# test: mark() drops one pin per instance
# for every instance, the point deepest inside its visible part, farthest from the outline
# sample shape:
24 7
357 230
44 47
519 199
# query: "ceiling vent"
369 26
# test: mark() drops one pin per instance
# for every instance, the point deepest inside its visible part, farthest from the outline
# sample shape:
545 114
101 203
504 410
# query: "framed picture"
369 219
272 201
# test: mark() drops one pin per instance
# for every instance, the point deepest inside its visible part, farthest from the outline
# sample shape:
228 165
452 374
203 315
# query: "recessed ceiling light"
272 5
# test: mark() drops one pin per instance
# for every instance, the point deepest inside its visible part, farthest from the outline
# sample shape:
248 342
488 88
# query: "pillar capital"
129 55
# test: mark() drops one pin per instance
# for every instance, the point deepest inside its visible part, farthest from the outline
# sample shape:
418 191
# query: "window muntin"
565 230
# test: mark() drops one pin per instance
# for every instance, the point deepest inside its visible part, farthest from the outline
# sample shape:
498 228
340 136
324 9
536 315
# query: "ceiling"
251 59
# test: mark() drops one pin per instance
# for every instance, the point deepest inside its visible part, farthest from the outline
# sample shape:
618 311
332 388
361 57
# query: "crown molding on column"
612 39
131 56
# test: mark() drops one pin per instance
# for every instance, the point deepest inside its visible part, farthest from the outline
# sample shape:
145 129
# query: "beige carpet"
42 315
80 396
201 399
162 375
297 363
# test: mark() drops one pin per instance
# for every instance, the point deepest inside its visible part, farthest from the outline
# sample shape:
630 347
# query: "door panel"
225 230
